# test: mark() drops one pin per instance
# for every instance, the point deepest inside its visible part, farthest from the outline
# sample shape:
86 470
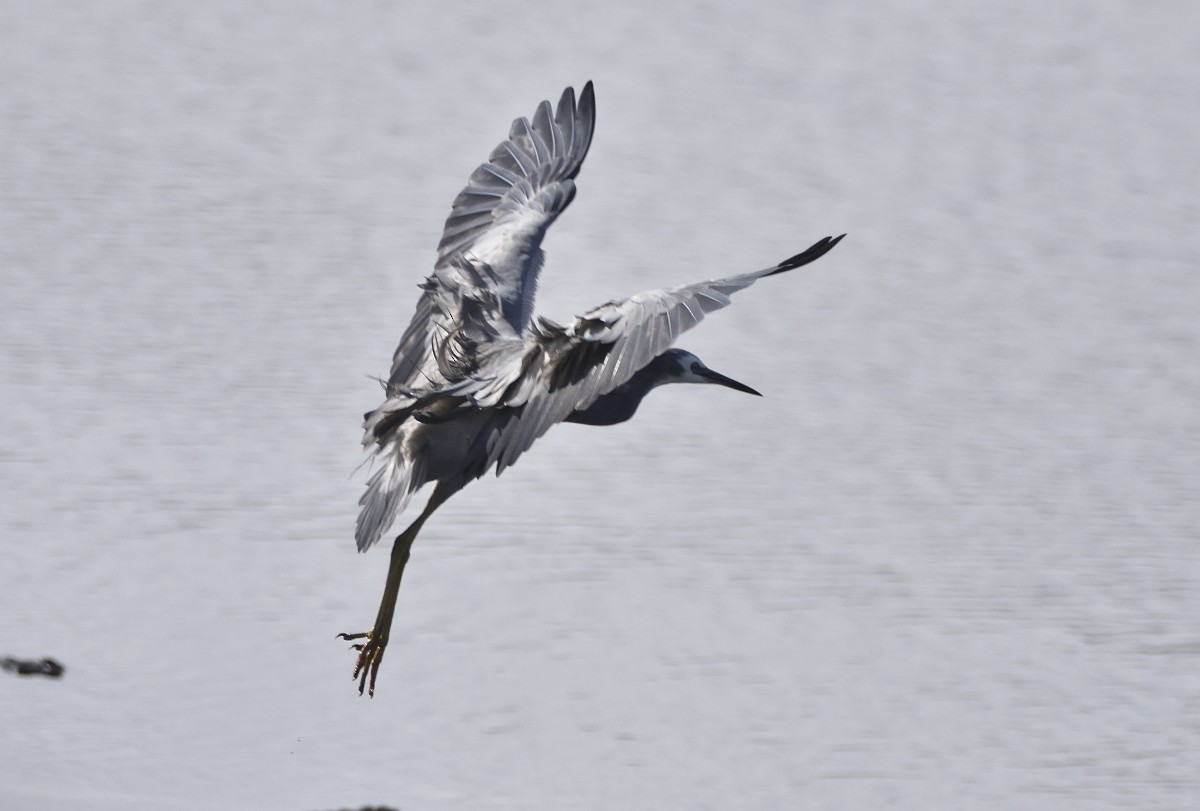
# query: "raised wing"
570 367
510 201
490 251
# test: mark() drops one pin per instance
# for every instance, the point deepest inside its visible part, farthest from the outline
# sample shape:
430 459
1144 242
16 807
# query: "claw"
370 654
369 658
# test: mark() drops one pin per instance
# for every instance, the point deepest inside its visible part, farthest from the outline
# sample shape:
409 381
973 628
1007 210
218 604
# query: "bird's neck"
621 403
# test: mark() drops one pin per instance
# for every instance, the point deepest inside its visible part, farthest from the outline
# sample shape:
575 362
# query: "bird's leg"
370 652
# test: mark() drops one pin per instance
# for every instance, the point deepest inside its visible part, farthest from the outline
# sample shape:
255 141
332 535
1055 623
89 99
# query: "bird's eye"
696 368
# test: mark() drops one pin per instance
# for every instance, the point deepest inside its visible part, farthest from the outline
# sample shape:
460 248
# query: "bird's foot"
370 655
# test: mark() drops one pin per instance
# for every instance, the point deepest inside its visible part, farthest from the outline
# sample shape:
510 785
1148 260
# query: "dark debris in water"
32 667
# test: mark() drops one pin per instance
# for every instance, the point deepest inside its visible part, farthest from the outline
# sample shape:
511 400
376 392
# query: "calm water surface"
948 561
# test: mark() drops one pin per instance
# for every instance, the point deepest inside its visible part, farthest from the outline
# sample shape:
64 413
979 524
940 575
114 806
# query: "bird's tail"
388 491
391 486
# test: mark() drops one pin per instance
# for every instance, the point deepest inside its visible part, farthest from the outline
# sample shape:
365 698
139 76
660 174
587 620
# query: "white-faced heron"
476 378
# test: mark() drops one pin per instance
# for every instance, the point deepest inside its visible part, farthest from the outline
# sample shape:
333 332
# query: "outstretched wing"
511 200
570 367
490 253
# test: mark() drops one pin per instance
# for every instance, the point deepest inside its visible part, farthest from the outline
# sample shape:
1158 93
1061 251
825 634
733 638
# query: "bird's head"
681 366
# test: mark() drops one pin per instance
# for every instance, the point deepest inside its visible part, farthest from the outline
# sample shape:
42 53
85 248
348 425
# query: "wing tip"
587 106
583 115
809 254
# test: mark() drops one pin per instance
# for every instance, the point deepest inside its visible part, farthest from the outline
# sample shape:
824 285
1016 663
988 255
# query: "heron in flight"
477 378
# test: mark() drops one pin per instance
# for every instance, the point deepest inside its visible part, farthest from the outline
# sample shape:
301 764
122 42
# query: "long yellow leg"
370 652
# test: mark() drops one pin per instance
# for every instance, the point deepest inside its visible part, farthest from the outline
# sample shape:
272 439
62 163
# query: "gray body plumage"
477 378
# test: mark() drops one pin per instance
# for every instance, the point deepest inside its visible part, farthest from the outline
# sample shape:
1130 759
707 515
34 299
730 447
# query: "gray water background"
948 561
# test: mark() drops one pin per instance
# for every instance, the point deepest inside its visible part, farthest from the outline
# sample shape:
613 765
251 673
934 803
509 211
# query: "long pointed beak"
728 382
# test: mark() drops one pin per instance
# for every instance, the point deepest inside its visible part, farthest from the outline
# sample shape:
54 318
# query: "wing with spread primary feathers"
490 253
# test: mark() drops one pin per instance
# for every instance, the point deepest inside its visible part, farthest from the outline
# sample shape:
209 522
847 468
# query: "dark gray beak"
728 382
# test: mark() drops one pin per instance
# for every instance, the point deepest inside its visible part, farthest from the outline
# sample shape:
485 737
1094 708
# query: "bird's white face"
692 370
